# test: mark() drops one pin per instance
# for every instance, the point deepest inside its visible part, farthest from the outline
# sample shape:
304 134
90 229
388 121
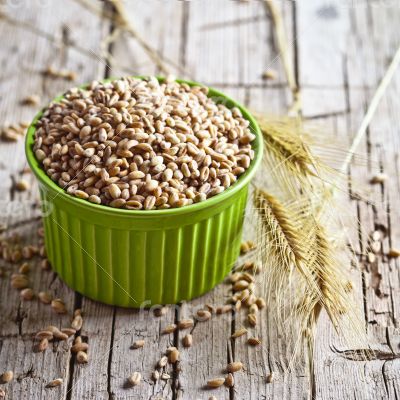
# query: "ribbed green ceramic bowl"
142 258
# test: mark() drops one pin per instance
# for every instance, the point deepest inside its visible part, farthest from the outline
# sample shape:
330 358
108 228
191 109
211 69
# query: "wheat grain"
19 281
58 306
169 329
77 322
135 378
229 381
270 377
185 324
239 332
138 344
24 268
27 294
22 185
394 253
378 179
162 362
215 383
252 319
45 297
82 357
187 340
173 356
141 144
55 383
203 315
7 377
77 347
253 341
234 366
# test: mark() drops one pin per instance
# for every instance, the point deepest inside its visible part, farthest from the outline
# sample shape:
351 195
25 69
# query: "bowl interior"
243 180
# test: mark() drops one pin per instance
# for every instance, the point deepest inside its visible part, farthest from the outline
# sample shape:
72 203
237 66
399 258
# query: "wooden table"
340 50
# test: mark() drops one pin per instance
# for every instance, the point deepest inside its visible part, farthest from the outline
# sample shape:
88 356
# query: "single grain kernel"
22 185
160 311
253 341
169 349
45 264
253 309
7 376
162 362
394 253
187 340
261 303
24 268
169 329
19 281
82 357
185 324
252 319
234 366
173 356
215 383
58 306
269 74
229 380
27 294
270 377
239 332
378 178
45 297
55 383
77 322
240 285
203 315
138 344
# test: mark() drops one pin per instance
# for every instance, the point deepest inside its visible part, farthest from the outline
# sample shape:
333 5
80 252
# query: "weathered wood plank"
229 44
24 57
132 325
206 359
360 67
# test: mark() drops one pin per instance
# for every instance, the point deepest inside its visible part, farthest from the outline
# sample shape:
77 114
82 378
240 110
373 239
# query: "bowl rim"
242 181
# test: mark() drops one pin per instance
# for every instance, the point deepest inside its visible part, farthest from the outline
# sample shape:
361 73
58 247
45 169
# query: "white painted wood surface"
340 49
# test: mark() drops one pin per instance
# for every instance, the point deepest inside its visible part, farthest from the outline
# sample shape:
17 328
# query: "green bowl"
143 258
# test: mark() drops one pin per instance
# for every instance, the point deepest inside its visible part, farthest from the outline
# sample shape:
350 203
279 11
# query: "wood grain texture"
24 57
340 51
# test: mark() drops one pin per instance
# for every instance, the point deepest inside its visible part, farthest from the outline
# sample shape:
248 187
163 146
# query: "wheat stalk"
288 145
279 228
303 273
283 46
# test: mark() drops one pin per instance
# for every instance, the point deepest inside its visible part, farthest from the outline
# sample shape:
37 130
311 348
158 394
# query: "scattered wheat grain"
215 383
54 383
234 366
7 376
138 344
